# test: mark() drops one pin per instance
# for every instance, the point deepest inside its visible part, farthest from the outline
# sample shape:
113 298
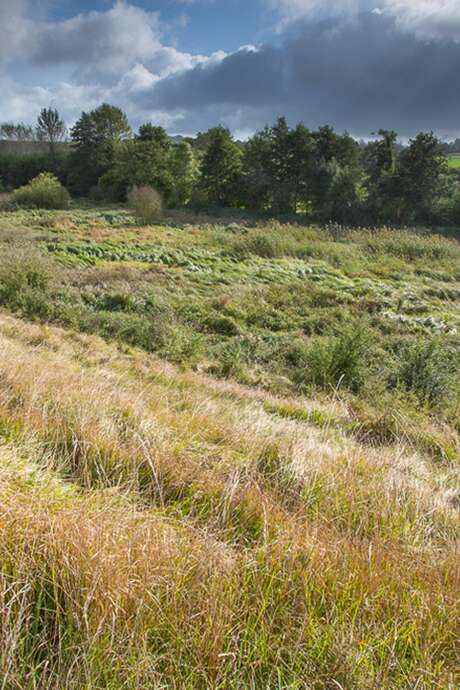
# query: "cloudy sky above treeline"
189 64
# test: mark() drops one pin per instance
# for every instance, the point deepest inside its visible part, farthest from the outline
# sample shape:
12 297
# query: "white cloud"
14 28
106 42
93 57
120 55
112 39
138 78
428 19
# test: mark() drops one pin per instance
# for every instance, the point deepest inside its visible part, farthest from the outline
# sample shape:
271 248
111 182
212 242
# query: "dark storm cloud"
359 76
243 78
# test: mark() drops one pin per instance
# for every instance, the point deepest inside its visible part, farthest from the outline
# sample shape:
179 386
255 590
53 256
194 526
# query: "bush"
428 369
232 359
257 244
18 170
340 362
44 191
146 203
181 344
5 201
222 325
455 209
25 276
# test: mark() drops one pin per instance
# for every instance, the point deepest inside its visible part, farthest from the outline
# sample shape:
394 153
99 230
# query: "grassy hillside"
229 455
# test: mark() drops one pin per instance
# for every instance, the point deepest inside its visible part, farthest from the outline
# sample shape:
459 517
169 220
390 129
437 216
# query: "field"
229 455
454 161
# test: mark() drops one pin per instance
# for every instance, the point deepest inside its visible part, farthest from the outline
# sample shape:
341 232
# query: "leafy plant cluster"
44 191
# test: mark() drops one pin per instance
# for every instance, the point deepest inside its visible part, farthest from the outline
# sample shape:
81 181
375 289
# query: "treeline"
451 147
321 174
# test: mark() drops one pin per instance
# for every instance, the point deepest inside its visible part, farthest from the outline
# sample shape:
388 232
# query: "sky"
358 65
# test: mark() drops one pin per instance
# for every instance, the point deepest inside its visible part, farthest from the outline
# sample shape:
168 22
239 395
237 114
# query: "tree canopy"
319 174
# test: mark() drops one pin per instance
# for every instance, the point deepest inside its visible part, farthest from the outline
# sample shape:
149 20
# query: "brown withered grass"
159 529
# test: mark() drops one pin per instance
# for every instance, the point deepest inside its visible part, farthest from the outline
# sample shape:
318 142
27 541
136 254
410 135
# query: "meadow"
229 454
454 161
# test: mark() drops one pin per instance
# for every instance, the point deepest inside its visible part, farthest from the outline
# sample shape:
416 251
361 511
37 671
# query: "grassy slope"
161 527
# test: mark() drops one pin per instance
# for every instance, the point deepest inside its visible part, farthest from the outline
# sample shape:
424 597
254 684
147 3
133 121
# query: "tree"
149 132
12 131
345 194
422 176
278 164
222 168
336 162
184 171
380 156
407 187
380 163
146 161
258 192
50 128
96 136
271 150
302 167
139 163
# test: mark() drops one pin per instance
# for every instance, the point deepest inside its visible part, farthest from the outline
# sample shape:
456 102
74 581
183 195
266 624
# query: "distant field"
229 455
454 161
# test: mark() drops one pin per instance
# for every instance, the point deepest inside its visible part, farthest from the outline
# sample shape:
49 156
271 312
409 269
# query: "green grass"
264 304
454 161
228 454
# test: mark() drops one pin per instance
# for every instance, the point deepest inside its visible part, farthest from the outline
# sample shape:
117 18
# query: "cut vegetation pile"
251 479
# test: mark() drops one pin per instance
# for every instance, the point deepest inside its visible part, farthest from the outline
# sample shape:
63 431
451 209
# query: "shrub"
429 369
25 277
97 194
222 325
257 244
181 344
264 246
342 361
455 209
232 359
44 191
5 201
146 203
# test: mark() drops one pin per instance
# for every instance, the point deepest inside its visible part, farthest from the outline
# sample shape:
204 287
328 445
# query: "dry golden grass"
159 529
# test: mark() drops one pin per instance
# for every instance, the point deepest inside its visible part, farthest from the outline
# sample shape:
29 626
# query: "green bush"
258 244
146 203
222 325
455 209
428 369
132 329
264 246
25 277
44 191
341 361
181 344
232 359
